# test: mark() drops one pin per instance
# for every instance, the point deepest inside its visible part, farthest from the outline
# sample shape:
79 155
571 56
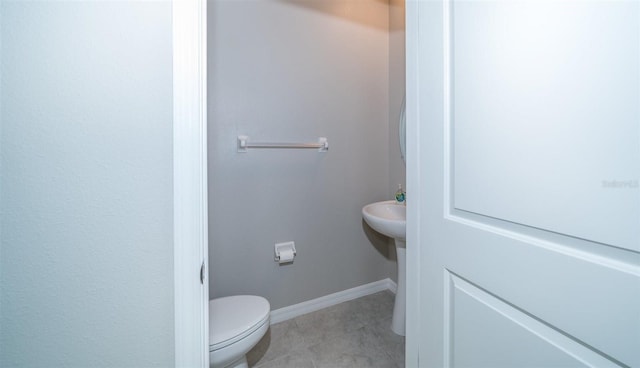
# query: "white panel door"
524 167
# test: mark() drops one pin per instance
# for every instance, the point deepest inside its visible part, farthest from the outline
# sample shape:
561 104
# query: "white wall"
86 185
295 71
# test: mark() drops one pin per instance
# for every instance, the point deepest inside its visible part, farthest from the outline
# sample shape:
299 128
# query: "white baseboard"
391 285
292 311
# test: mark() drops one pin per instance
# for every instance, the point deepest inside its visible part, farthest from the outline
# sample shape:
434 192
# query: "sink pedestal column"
398 322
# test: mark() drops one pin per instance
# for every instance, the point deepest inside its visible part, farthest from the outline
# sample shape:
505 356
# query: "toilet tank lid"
232 316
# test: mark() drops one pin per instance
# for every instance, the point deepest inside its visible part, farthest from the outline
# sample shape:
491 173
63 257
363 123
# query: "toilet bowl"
236 324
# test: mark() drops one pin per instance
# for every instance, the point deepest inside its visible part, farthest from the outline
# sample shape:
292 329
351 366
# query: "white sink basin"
388 218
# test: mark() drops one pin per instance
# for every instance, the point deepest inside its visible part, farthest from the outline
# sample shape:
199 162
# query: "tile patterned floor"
354 334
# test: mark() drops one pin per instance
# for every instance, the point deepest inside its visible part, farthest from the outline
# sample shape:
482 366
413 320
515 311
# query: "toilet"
236 324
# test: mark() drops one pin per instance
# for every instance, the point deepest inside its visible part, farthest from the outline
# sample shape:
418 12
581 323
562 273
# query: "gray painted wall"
397 171
294 71
86 185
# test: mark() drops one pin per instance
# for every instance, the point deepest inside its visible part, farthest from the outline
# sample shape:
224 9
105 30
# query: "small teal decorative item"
401 195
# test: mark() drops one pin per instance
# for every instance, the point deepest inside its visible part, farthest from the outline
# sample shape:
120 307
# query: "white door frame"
190 222
414 182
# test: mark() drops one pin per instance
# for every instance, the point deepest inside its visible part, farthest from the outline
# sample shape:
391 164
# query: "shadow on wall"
380 242
357 11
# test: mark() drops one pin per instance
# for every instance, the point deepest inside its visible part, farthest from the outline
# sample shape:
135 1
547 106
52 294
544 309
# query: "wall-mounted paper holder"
285 252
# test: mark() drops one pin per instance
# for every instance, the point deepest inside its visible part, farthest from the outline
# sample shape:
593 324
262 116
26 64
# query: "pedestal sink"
390 218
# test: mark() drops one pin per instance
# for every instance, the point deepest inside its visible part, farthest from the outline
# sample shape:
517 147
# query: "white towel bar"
243 144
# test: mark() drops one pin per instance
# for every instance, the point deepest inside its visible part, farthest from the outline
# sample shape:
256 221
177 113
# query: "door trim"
413 167
190 221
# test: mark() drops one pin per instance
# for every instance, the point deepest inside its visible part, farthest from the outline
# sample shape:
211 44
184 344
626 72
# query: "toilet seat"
233 318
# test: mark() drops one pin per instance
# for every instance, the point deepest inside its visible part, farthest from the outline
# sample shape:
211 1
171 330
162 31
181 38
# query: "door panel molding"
592 298
595 211
621 259
544 236
559 342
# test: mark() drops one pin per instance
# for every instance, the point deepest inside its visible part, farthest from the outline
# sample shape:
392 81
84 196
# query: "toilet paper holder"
284 252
